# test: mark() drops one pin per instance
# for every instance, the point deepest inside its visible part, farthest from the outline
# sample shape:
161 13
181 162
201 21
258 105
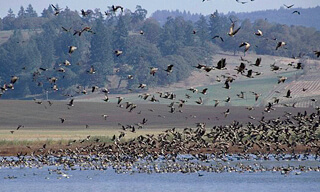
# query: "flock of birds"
174 150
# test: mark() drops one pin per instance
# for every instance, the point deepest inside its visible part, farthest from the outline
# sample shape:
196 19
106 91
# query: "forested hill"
308 17
71 52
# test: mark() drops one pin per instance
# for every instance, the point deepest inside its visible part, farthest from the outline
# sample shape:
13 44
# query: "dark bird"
241 68
226 113
217 36
297 12
70 103
221 64
20 126
56 10
62 119
66 30
249 74
85 13
200 101
317 53
94 88
115 8
258 62
226 85
169 69
299 66
288 95
280 44
288 6
204 91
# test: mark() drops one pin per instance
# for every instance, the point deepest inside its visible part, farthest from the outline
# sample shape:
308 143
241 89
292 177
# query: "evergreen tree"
30 12
21 13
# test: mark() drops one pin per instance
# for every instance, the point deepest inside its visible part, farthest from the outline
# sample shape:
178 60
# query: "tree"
138 16
101 52
1 24
202 29
30 12
8 21
21 13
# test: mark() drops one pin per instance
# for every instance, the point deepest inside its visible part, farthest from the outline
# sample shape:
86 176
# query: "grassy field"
42 123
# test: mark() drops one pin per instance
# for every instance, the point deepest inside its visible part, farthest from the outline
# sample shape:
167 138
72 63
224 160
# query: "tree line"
144 43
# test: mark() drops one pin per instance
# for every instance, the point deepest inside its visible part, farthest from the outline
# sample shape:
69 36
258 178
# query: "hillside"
308 17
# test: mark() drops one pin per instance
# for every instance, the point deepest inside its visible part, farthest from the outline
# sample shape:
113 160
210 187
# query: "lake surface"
47 178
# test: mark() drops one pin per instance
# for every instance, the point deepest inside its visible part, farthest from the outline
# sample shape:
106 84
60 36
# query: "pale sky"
194 6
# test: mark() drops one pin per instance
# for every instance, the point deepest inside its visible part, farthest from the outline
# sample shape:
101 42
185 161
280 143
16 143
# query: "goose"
297 12
66 30
153 70
288 95
259 33
280 44
85 13
169 69
232 32
204 91
72 49
257 63
62 119
118 52
67 63
142 85
199 101
282 79
14 79
246 46
221 64
55 87
288 6
115 8
241 68
91 70
217 36
56 10
317 53
71 103
119 99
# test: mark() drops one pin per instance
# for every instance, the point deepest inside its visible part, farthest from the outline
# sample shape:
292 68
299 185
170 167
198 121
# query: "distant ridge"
309 17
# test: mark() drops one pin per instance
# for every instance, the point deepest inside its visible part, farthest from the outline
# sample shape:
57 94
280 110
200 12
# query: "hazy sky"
194 6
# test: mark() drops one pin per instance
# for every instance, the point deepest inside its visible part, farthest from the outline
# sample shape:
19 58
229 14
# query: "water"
33 179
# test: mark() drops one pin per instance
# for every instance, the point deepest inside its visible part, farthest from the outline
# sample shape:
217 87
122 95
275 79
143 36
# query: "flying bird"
297 12
280 44
217 36
288 6
56 10
259 33
232 32
72 49
246 46
118 52
115 8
